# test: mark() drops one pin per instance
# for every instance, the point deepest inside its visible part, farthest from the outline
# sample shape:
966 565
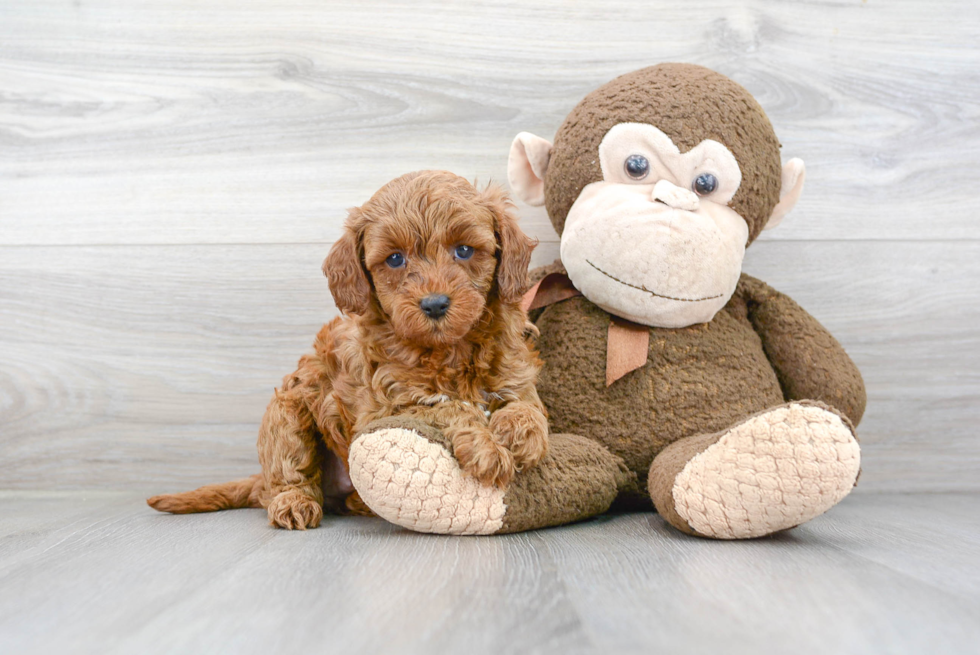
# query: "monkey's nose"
435 306
674 196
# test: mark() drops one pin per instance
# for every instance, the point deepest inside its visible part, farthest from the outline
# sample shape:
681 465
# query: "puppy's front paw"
523 430
294 510
482 457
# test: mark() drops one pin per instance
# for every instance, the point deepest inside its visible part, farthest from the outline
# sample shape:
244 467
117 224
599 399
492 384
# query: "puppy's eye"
705 183
395 260
464 252
637 166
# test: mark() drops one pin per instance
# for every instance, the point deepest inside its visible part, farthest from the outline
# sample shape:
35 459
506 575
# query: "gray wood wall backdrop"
172 174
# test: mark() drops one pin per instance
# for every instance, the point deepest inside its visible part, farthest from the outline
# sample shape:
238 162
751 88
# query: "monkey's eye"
637 166
395 260
705 183
464 252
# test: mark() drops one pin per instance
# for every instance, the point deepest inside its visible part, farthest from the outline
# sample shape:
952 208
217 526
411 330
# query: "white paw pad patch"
412 482
773 472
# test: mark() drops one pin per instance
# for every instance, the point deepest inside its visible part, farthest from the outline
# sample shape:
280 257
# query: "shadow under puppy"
430 273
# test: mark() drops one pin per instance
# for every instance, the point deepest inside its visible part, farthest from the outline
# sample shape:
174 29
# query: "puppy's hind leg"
290 463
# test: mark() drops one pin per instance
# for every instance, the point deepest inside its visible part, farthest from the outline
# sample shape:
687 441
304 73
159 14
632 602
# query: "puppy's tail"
212 497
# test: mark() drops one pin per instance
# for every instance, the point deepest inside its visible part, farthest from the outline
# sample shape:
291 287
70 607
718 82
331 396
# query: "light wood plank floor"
102 573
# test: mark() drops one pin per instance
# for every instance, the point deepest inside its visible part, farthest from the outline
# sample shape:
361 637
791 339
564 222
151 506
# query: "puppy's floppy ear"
515 246
344 270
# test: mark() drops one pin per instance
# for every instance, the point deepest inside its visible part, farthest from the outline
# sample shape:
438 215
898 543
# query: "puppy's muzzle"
435 306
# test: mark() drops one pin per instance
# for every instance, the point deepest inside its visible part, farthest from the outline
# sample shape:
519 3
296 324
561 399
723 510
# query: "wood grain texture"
218 122
105 574
149 367
172 174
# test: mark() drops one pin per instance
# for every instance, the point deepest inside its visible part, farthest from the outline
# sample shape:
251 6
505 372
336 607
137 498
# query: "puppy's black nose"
435 306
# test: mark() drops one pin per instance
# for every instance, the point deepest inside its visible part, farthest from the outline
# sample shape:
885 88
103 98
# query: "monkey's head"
657 182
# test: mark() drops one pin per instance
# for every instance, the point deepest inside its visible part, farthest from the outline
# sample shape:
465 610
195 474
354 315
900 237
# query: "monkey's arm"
808 360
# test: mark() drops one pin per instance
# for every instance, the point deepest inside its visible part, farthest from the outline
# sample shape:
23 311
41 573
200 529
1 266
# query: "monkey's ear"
515 246
794 173
345 272
526 166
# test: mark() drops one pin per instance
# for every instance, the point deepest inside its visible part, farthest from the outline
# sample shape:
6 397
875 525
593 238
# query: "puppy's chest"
433 387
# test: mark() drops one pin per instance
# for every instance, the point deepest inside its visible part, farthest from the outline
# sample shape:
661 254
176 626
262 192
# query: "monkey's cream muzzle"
642 244
648 261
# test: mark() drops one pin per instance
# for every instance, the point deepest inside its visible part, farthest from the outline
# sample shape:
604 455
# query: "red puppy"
430 274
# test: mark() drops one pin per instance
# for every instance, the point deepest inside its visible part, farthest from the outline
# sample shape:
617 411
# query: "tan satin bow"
627 343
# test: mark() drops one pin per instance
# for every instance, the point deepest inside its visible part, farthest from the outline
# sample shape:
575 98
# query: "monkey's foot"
774 471
406 473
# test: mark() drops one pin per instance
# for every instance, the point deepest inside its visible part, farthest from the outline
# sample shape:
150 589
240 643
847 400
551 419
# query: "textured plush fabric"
405 471
664 471
809 362
577 479
773 471
699 379
651 263
415 482
689 104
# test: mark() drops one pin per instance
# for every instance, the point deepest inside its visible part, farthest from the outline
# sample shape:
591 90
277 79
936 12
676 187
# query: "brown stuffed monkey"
668 373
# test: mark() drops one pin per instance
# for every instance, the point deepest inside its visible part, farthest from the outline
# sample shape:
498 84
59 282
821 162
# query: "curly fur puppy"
429 273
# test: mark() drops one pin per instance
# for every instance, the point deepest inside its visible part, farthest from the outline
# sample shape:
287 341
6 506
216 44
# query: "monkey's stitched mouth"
652 293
